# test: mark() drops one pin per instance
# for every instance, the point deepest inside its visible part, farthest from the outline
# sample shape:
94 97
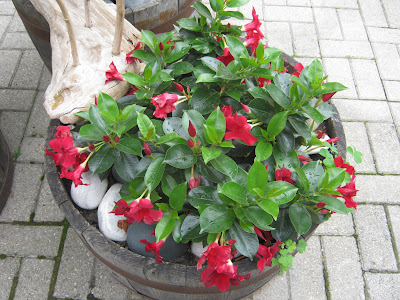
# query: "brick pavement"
350 257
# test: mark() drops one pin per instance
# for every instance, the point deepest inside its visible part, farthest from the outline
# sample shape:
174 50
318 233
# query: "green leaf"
210 134
207 77
108 107
149 38
246 225
181 49
313 113
102 160
246 243
211 62
263 150
154 173
160 76
168 183
203 101
300 218
333 204
178 196
302 180
198 122
284 229
202 10
225 165
134 79
209 154
203 195
164 227
146 127
258 217
278 96
316 71
125 165
236 3
234 94
182 67
313 171
214 219
92 132
235 192
280 192
336 177
217 5
130 145
190 228
217 121
96 119
300 126
236 47
277 123
189 24
257 178
180 156
143 55
176 232
270 207
203 46
233 14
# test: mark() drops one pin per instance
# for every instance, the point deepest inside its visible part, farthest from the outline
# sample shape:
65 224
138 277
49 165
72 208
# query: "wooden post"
88 22
119 27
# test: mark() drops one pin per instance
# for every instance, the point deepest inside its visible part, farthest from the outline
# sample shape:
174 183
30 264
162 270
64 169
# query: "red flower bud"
91 146
179 87
245 108
161 46
106 138
116 139
191 130
321 204
190 143
324 211
147 149
95 100
228 25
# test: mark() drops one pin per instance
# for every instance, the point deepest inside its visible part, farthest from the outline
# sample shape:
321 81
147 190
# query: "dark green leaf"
257 178
125 165
189 24
287 194
203 46
300 218
258 217
233 14
176 232
225 165
202 10
190 228
130 145
300 126
214 219
235 192
91 132
182 67
96 119
204 102
277 123
210 173
246 243
143 55
149 38
209 154
211 62
198 122
333 204
102 160
134 79
284 229
180 156
313 171
181 48
263 150
216 5
278 96
313 113
336 177
203 195
270 207
154 172
165 226
236 47
178 196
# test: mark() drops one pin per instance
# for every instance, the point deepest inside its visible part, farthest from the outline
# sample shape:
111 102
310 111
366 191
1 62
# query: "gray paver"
385 146
16 24
34 279
305 40
29 70
338 69
288 13
16 99
392 9
9 268
356 135
343 266
368 82
75 269
279 36
4 21
38 120
335 3
372 13
307 274
338 224
371 111
395 107
298 2
350 49
383 286
45 79
32 150
7 8
392 89
46 208
17 40
394 223
30 241
21 202
9 63
352 25
374 239
388 187
384 35
276 288
388 60
13 126
327 23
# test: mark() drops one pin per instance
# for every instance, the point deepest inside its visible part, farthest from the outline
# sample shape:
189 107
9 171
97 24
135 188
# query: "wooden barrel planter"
6 171
155 15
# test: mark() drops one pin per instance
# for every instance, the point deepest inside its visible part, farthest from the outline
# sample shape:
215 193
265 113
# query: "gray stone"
32 150
385 146
24 191
374 239
38 120
343 267
276 288
46 207
16 99
29 70
388 60
13 126
383 286
356 136
327 23
305 40
392 89
364 110
338 224
75 270
338 70
279 36
17 40
30 241
388 187
349 49
307 274
34 279
352 25
9 268
9 62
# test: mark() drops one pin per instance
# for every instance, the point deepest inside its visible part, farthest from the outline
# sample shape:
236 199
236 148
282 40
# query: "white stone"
89 196
198 249
107 221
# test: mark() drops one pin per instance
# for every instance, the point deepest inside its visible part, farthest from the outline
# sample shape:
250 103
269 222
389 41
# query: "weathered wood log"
73 88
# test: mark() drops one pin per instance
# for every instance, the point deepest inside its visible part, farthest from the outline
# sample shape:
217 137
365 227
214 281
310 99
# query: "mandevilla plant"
213 143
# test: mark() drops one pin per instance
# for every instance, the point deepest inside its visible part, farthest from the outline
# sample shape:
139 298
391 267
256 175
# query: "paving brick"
45 79
106 286
372 13
4 21
75 269
38 120
343 267
395 108
327 23
307 274
24 191
9 61
7 8
288 13
356 136
29 241
338 69
11 99
368 82
274 2
279 36
46 208
32 150
338 224
394 223
349 49
29 70
16 24
335 3
392 9
34 279
388 187
9 268
385 147
370 111
392 89
382 286
384 35
374 239
352 25
17 40
305 40
388 60
298 2
276 288
13 126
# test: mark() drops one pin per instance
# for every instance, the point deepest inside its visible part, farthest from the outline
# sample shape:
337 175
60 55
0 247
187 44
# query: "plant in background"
214 144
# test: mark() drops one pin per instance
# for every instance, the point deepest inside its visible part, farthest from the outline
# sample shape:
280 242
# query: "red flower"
328 96
333 140
348 192
222 280
62 132
237 127
194 182
121 209
215 255
284 175
266 254
132 91
191 129
190 143
76 174
129 58
164 104
113 73
298 67
340 164
263 81
303 159
253 39
141 211
253 25
154 248
226 58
